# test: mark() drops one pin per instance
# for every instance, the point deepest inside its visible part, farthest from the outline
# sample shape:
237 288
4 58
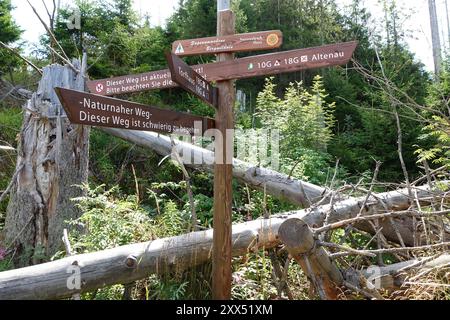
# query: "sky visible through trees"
158 11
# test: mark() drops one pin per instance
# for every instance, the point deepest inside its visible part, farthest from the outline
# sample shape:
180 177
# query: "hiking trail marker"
94 110
263 40
197 80
248 67
190 80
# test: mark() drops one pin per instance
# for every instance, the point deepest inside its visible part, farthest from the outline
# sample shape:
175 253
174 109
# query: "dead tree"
52 160
435 39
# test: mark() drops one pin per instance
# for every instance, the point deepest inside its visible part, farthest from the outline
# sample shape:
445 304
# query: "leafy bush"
109 220
304 120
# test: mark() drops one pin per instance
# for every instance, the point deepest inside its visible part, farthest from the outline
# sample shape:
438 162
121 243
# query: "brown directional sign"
95 110
190 80
264 40
259 65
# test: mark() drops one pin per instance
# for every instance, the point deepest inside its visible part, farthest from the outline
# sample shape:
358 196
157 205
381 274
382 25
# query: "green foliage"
304 120
10 123
436 133
10 30
194 17
9 33
439 131
171 222
253 278
108 221
111 219
6 264
168 289
338 114
257 273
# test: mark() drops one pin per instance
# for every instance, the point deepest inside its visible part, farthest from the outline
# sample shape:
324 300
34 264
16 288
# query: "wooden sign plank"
190 80
259 65
263 40
95 110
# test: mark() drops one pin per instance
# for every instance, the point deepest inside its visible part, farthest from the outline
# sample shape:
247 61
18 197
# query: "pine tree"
9 33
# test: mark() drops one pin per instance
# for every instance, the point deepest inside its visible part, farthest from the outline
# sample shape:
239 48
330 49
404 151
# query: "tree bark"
52 162
126 264
292 190
223 172
314 260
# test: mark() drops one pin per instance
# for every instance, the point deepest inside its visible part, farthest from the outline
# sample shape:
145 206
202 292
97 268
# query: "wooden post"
314 260
223 170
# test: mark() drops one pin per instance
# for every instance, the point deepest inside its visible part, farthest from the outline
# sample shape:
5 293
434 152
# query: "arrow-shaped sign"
259 65
95 110
190 80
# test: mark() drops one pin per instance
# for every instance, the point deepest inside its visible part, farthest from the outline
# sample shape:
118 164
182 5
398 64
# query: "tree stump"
52 162
314 260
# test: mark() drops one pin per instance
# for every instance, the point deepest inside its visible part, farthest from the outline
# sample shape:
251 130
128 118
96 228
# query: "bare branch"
350 251
379 216
48 13
49 31
31 64
64 59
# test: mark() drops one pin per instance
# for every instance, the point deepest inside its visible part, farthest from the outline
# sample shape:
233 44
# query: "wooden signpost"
190 80
259 65
263 40
94 110
196 79
223 168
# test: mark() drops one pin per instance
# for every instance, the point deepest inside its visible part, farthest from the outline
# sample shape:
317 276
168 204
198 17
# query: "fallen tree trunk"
281 186
126 264
392 277
276 184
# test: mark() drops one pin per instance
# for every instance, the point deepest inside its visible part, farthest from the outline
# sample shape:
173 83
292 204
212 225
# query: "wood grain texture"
314 260
53 158
223 173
